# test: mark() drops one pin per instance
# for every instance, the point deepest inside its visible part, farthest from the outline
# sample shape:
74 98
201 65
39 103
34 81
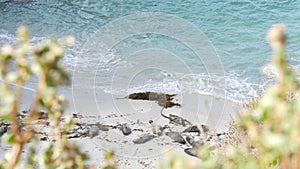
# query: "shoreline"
108 109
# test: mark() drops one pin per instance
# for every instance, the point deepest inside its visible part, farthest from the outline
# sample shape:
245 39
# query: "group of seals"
181 137
165 100
177 137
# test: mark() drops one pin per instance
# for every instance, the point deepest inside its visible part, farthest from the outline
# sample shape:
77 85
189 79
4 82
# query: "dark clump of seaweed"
164 100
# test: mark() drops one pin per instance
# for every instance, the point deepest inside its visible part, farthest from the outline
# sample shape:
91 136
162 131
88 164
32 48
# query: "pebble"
126 130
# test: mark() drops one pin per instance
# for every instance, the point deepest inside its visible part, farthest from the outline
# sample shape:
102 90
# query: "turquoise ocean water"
236 28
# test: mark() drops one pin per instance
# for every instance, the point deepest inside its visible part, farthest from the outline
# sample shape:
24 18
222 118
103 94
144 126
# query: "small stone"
126 130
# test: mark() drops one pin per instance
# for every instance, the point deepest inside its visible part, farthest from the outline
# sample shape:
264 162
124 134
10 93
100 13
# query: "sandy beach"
113 110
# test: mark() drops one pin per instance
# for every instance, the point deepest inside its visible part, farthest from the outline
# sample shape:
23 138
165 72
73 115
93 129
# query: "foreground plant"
271 126
18 63
109 161
274 126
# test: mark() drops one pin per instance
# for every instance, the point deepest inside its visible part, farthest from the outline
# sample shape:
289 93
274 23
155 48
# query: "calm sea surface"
236 29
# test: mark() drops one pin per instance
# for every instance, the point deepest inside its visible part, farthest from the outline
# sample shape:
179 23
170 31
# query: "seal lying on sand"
176 137
195 147
176 119
144 138
196 128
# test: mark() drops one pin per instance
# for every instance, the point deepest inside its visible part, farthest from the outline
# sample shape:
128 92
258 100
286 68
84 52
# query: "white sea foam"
101 71
235 89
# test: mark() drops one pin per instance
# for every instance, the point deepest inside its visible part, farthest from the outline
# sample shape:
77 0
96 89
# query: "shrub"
272 125
18 63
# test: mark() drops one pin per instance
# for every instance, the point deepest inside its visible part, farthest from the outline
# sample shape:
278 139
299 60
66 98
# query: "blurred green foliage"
18 63
271 124
109 160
